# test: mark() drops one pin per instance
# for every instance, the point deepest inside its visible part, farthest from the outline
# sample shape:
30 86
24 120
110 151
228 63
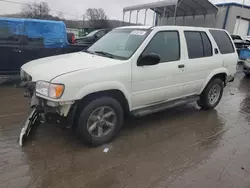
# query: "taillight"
73 40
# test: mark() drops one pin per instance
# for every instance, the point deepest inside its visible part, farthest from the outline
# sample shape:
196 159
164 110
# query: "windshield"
92 33
119 43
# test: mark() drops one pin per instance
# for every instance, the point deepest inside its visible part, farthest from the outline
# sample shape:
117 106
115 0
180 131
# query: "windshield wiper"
90 52
106 54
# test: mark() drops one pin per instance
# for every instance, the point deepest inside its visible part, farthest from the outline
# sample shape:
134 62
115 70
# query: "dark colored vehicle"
92 37
71 38
23 40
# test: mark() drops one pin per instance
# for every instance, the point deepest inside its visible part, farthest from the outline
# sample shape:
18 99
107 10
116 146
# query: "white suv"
137 69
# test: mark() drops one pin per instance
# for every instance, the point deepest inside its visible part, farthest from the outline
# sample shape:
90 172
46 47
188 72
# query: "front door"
164 81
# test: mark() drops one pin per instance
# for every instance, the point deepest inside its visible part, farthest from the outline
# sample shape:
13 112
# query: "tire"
91 122
207 95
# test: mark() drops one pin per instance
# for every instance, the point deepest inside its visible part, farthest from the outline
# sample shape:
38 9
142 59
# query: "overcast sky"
113 8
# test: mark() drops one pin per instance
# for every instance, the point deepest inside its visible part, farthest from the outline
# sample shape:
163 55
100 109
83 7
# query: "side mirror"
216 51
98 36
149 59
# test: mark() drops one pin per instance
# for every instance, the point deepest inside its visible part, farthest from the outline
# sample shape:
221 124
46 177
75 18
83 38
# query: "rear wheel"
100 121
211 95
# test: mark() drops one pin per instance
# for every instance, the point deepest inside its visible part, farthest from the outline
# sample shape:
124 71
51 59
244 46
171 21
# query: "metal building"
233 17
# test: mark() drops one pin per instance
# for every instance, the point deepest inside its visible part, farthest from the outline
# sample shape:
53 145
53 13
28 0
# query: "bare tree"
36 10
61 16
97 18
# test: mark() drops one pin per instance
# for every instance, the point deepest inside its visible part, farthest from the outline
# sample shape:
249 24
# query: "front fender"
221 70
104 86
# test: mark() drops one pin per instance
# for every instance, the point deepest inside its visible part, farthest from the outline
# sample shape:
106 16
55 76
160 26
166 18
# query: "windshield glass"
92 33
119 43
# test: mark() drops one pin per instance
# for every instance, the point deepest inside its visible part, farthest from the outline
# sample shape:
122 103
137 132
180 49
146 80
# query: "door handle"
16 50
181 66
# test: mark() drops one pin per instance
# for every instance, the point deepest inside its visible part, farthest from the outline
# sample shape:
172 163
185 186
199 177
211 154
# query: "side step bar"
164 106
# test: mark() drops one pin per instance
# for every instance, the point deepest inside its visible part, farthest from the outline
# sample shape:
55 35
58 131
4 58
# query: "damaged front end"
44 110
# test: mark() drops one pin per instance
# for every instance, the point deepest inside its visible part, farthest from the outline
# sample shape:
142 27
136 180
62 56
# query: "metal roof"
233 4
184 7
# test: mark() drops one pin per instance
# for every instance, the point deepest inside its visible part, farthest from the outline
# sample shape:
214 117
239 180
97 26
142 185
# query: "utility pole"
240 16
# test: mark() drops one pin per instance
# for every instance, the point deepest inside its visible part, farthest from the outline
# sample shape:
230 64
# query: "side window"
36 41
194 44
206 45
6 36
166 44
223 41
101 33
198 44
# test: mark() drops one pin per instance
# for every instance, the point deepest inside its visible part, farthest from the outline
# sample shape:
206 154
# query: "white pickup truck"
132 70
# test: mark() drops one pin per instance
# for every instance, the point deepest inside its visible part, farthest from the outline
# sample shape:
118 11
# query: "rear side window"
198 44
223 41
206 45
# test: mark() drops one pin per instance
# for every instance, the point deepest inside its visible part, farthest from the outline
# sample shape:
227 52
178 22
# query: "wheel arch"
219 73
114 93
85 100
110 88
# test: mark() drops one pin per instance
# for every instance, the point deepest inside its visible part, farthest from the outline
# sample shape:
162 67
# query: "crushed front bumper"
45 111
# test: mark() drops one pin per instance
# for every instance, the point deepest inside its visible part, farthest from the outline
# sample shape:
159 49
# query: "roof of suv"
165 27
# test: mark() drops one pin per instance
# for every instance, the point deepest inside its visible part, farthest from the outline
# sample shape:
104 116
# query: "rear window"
223 41
194 44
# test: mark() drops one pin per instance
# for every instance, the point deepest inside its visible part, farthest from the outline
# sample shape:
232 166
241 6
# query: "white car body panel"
50 67
83 73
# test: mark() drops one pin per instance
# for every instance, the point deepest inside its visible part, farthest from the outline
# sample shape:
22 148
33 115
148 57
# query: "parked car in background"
243 47
137 70
247 38
23 40
246 67
71 38
92 37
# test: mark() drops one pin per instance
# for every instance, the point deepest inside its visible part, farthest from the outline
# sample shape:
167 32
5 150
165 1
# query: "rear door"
226 49
202 59
10 48
10 54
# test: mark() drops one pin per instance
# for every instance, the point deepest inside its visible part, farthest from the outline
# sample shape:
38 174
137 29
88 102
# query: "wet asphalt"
180 147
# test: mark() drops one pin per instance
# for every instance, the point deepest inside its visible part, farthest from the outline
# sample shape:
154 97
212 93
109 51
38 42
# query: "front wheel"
100 121
211 95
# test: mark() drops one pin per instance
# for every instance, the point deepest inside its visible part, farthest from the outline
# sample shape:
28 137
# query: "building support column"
137 16
130 16
145 17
